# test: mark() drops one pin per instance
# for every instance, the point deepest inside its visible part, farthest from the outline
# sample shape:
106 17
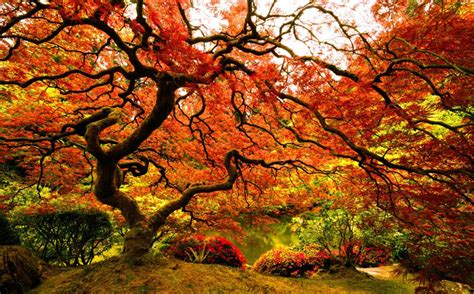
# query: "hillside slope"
173 276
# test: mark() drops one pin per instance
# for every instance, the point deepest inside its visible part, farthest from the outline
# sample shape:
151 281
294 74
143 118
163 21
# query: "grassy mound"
156 275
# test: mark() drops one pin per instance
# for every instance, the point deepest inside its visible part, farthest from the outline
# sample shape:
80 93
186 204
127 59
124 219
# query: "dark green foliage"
67 237
7 235
334 231
367 238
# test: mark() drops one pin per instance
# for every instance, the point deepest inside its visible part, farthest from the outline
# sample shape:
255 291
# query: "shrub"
334 231
292 263
7 235
212 250
367 238
373 256
432 259
69 238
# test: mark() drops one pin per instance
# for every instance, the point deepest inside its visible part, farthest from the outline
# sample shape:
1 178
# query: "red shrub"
218 250
291 263
372 256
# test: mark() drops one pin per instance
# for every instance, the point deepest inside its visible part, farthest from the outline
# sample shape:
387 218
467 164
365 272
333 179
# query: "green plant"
366 238
7 235
197 256
67 237
213 250
335 231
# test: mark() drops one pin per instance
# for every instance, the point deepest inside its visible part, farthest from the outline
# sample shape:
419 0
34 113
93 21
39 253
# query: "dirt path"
384 272
387 273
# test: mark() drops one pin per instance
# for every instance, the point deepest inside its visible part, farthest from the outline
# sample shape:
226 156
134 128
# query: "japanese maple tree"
268 97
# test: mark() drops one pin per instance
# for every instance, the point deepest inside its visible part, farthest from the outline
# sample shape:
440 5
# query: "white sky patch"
131 11
206 15
321 36
316 33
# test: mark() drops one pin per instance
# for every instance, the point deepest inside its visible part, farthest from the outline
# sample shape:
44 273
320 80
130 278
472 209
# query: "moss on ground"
158 275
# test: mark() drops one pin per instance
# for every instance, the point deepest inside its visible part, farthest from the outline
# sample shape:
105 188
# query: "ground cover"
175 276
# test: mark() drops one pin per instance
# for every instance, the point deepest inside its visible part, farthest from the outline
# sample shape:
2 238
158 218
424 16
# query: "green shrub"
335 231
7 235
288 262
212 250
367 238
68 238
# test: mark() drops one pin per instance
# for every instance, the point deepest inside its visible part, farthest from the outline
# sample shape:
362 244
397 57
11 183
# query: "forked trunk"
139 239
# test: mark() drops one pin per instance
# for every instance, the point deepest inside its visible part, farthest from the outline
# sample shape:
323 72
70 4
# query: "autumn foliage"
147 107
213 250
288 262
373 256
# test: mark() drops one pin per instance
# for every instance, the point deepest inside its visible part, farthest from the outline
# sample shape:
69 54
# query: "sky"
356 11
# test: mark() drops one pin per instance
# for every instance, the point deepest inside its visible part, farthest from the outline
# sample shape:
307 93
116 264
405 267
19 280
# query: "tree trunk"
139 239
138 242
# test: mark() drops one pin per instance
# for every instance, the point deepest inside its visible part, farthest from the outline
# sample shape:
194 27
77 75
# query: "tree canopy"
256 105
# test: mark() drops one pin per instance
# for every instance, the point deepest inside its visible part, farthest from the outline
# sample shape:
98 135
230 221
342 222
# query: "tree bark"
138 241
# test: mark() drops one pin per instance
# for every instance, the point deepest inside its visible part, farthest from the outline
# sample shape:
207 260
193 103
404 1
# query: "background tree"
381 113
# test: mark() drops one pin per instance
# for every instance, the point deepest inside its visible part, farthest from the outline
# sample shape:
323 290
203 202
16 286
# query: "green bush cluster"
212 250
368 238
68 238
